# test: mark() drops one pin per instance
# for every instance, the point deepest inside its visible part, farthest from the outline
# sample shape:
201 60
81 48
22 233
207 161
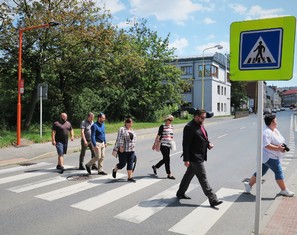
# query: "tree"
238 94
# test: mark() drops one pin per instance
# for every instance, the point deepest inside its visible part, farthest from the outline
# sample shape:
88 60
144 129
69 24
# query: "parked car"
282 109
267 111
190 110
274 110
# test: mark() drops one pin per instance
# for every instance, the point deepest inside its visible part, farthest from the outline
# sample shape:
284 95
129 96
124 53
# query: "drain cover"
27 163
78 177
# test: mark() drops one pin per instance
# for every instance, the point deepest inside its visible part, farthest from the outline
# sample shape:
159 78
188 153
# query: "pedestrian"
85 128
125 146
164 138
60 134
98 141
195 144
273 153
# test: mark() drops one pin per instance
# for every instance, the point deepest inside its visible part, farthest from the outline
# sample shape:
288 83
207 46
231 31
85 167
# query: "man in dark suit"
195 145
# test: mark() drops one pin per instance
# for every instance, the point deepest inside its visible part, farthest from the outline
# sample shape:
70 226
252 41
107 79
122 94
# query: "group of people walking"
195 145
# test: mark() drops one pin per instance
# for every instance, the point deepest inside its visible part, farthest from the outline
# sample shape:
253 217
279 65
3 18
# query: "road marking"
205 216
145 209
242 128
75 188
222 136
113 195
20 168
41 183
26 175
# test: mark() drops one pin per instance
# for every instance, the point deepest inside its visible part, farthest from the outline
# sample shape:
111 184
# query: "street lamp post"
20 82
203 71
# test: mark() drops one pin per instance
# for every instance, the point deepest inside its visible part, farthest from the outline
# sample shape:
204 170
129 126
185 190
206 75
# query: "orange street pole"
20 85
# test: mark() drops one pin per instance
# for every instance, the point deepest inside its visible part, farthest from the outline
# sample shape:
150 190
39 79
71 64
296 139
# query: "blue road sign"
261 49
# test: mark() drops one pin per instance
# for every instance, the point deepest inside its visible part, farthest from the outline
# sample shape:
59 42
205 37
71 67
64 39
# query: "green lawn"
8 138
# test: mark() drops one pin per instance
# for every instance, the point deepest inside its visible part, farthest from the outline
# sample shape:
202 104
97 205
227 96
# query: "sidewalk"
280 219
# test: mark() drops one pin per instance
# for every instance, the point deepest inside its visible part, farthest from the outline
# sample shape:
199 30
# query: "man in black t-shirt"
60 133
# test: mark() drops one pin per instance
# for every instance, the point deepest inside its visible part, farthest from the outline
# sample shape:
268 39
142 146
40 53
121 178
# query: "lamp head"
219 46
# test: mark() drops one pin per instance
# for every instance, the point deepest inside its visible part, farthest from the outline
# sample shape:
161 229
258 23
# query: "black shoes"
81 167
131 180
94 167
88 169
171 177
215 203
102 173
59 167
154 169
114 173
183 196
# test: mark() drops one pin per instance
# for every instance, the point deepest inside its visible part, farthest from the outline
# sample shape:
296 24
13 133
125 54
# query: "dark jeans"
126 158
83 151
197 169
166 159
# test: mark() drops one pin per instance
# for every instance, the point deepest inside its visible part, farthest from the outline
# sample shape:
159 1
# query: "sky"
195 25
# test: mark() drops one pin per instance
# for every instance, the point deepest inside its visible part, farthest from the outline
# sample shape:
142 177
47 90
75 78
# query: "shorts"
61 148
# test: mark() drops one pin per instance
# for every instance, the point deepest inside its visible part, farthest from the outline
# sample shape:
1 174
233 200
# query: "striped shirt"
166 134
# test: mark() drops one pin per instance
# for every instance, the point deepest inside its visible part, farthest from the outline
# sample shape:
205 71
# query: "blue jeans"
275 166
61 148
126 158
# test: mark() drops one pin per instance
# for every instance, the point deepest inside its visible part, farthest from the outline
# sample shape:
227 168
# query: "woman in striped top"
165 137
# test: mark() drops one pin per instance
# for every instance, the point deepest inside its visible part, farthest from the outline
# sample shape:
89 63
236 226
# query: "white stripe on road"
200 220
76 188
113 195
145 209
222 136
26 175
41 183
20 168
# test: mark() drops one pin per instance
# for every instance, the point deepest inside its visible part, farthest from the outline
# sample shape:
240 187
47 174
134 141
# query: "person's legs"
166 158
82 154
200 173
186 180
101 157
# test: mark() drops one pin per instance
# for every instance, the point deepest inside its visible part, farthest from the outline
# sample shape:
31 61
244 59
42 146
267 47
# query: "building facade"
213 81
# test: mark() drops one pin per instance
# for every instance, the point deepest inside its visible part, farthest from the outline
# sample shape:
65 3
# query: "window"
222 90
225 91
209 70
218 90
187 69
222 107
218 107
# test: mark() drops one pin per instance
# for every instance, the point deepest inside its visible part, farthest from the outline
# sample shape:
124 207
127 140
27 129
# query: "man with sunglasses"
195 145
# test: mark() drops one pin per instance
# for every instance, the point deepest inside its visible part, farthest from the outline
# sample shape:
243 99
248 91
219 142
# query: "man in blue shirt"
98 141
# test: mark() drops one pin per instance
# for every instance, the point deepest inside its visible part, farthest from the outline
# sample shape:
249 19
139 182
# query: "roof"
289 92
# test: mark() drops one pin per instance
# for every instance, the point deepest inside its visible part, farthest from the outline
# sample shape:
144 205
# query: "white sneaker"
247 186
287 193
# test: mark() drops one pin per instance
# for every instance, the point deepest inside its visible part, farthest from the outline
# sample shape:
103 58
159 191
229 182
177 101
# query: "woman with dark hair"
273 152
125 145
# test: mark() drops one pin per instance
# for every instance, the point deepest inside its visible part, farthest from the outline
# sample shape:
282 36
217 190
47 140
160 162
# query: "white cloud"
176 10
256 11
180 44
112 5
208 20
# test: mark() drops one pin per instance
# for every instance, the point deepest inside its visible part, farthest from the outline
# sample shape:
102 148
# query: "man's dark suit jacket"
194 143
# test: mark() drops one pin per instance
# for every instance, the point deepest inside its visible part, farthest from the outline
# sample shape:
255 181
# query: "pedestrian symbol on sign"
260 53
261 49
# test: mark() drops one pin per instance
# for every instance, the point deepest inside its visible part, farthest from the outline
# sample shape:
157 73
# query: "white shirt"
275 138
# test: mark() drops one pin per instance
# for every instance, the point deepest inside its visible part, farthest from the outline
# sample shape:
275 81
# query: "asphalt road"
39 200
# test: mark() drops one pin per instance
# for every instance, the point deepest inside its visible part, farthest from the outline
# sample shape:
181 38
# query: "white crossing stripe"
76 188
25 175
41 183
113 195
200 220
20 168
145 209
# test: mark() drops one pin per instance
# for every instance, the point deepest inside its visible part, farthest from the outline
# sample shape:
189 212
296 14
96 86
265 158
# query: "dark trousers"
197 169
83 151
166 159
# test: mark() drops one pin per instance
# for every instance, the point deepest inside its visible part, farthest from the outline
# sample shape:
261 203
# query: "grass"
8 138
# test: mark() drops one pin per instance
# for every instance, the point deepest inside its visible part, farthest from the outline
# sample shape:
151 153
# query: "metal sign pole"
259 159
40 99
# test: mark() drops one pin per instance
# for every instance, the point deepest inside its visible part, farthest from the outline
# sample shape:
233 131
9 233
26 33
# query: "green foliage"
88 64
238 94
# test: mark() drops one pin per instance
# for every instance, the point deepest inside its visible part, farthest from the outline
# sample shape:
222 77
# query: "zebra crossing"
145 209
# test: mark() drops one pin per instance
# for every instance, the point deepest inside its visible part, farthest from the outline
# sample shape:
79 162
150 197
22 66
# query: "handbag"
173 145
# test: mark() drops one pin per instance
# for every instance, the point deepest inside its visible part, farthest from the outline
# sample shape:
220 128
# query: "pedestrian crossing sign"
262 49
